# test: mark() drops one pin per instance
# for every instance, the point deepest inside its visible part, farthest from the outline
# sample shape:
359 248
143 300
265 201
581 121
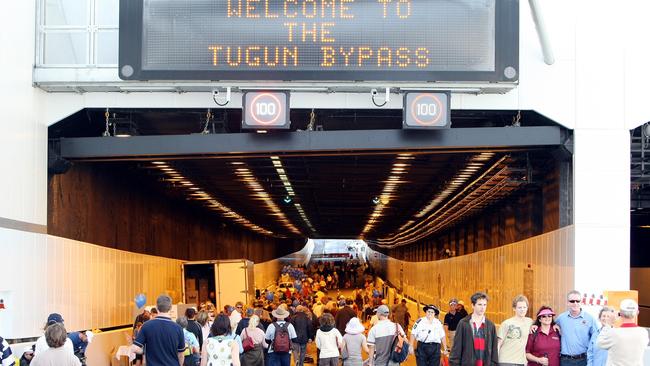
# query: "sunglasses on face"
574 301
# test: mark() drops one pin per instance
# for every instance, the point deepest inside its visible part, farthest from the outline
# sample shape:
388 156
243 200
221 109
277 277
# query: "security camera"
373 92
215 93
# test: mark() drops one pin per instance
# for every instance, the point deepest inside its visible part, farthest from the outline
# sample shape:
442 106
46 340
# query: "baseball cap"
629 305
382 310
54 318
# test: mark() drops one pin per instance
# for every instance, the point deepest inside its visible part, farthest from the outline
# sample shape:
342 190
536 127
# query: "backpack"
281 341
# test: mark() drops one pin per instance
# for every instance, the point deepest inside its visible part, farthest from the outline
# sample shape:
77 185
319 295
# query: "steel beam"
308 142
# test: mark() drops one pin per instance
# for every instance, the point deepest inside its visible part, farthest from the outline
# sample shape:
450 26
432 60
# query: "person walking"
328 341
597 356
302 323
161 339
192 349
577 327
193 326
381 337
279 335
475 342
221 348
513 334
451 320
430 337
626 345
255 356
401 314
344 315
353 342
543 345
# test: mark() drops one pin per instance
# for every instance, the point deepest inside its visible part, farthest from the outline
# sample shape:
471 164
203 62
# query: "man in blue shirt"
576 327
162 338
80 341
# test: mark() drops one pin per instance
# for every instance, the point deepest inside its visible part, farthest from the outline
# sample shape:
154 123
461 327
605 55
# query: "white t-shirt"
41 345
328 342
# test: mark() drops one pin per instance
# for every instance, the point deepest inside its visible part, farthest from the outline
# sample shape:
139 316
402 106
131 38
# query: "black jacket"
462 352
303 326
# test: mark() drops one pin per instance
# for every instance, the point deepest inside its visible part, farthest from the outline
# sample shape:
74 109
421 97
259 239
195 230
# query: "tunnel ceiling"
386 197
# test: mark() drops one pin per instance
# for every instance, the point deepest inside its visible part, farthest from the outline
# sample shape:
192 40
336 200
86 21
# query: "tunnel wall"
533 210
90 285
540 267
108 205
267 273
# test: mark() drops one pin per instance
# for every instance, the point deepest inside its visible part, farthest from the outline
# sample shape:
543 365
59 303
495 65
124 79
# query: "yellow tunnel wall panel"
90 285
499 272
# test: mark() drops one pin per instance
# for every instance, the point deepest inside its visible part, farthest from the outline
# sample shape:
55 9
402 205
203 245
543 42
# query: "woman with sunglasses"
543 347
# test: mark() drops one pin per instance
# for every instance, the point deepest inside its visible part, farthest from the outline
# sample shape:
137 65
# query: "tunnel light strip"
194 192
279 168
246 176
457 182
400 167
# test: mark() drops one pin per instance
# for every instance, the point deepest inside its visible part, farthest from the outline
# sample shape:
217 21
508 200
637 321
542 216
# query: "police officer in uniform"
430 337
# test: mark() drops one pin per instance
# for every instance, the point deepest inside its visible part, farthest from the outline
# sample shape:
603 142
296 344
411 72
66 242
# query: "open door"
199 282
235 282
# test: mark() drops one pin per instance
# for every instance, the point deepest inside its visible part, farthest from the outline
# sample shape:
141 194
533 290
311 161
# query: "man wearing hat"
626 344
429 333
41 343
380 338
280 357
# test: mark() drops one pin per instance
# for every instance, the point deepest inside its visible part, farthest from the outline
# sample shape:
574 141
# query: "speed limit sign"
426 110
266 110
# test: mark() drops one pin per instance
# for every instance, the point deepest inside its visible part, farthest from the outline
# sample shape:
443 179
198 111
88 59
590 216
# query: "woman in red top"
543 347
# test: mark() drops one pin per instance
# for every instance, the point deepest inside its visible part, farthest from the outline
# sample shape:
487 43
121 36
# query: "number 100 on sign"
426 110
266 110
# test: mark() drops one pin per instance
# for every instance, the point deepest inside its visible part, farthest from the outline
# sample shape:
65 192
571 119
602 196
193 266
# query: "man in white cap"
626 344
430 335
380 338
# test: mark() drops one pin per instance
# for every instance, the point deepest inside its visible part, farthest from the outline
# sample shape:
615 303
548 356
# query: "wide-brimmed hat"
354 326
432 307
545 312
280 313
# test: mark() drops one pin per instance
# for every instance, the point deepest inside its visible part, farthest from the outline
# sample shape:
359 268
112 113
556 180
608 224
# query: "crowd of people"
283 321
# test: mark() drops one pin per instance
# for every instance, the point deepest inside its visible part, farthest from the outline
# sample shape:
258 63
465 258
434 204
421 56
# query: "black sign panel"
265 110
398 40
426 110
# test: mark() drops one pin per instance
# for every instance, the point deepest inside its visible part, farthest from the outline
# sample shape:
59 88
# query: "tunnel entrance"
494 178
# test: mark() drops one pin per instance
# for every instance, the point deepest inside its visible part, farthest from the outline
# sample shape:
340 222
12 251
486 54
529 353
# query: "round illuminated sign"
426 110
265 110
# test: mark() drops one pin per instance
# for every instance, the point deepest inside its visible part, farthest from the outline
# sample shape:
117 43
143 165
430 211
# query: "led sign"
266 110
399 40
426 110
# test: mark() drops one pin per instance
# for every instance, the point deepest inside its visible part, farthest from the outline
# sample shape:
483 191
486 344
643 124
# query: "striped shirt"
6 358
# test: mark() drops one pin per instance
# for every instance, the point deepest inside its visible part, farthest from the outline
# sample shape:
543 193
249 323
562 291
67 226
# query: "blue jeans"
299 352
569 362
279 359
